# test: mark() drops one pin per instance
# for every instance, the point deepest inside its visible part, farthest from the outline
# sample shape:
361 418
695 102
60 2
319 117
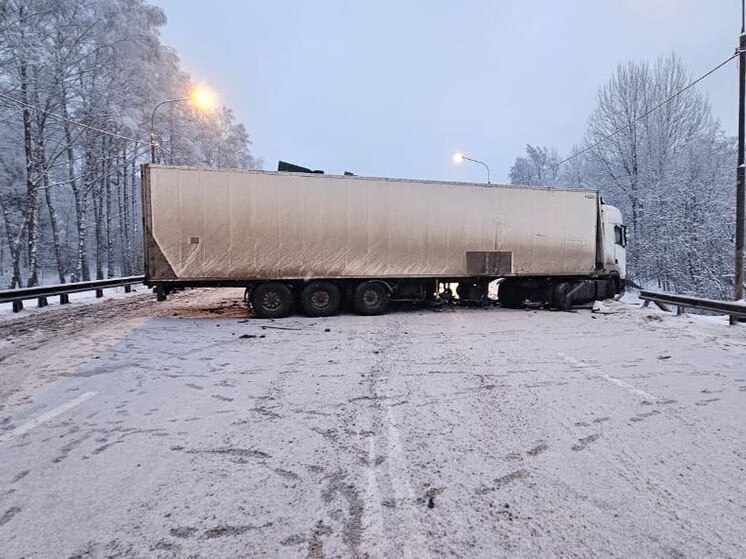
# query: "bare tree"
669 171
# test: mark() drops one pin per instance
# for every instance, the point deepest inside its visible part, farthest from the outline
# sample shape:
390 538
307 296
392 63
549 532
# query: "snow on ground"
137 429
631 297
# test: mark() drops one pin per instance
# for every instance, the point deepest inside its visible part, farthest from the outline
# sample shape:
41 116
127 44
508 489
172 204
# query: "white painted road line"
613 380
43 418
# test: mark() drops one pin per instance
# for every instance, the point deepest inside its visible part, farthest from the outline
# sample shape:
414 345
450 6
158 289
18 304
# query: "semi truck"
318 243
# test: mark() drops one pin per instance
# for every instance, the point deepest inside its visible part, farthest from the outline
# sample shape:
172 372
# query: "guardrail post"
17 306
42 302
99 293
127 288
64 298
680 310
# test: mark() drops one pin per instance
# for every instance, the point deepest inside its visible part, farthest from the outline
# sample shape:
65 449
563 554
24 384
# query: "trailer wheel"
321 298
271 300
371 298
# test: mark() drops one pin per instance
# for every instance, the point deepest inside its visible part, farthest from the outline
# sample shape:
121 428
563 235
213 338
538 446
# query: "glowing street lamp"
460 157
202 98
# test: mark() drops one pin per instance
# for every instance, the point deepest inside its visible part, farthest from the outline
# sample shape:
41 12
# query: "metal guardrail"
18 296
734 309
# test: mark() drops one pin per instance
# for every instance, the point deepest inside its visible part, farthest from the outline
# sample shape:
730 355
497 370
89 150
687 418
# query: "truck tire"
510 295
271 300
611 289
371 298
470 292
560 298
321 298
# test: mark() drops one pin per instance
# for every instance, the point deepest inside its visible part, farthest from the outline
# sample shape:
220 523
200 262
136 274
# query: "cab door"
614 240
620 248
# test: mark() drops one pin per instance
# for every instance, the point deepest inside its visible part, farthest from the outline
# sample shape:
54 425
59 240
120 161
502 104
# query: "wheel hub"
371 297
320 299
271 300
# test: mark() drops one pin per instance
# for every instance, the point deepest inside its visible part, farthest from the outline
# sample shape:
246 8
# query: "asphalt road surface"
130 428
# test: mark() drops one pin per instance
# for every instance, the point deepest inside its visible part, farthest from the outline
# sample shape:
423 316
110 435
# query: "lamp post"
201 97
152 124
460 157
741 169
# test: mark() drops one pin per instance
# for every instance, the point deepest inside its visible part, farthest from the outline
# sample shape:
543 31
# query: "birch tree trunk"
98 213
109 234
53 222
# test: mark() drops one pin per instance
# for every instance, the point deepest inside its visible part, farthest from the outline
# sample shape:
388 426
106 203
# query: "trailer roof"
360 177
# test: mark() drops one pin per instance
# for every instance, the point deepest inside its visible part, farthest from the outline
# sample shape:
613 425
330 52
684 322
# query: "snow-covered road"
184 429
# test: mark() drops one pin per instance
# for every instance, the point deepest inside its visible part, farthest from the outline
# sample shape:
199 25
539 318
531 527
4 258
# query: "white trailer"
322 239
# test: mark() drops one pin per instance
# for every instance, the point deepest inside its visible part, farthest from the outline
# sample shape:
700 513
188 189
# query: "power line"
71 121
524 180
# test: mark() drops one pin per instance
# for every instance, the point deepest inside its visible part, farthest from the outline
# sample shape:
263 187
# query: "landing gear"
160 293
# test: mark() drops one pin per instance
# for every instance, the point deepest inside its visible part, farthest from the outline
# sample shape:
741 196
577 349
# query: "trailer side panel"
204 224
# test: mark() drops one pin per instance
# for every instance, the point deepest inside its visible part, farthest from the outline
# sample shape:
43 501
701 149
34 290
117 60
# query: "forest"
672 173
79 80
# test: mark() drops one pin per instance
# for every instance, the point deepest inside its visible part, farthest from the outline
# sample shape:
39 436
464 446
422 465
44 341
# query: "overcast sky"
394 88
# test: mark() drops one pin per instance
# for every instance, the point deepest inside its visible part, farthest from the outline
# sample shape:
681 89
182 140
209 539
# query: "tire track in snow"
373 512
411 542
415 545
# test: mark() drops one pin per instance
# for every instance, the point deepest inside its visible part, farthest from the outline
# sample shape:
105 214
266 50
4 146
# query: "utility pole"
741 169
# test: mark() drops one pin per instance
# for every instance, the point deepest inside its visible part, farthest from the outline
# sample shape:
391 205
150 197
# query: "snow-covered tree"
538 166
69 194
670 170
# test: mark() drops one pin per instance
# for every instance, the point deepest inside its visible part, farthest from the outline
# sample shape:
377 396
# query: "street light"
201 97
460 157
741 167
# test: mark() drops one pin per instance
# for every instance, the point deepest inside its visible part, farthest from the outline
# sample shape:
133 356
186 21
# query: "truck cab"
614 242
